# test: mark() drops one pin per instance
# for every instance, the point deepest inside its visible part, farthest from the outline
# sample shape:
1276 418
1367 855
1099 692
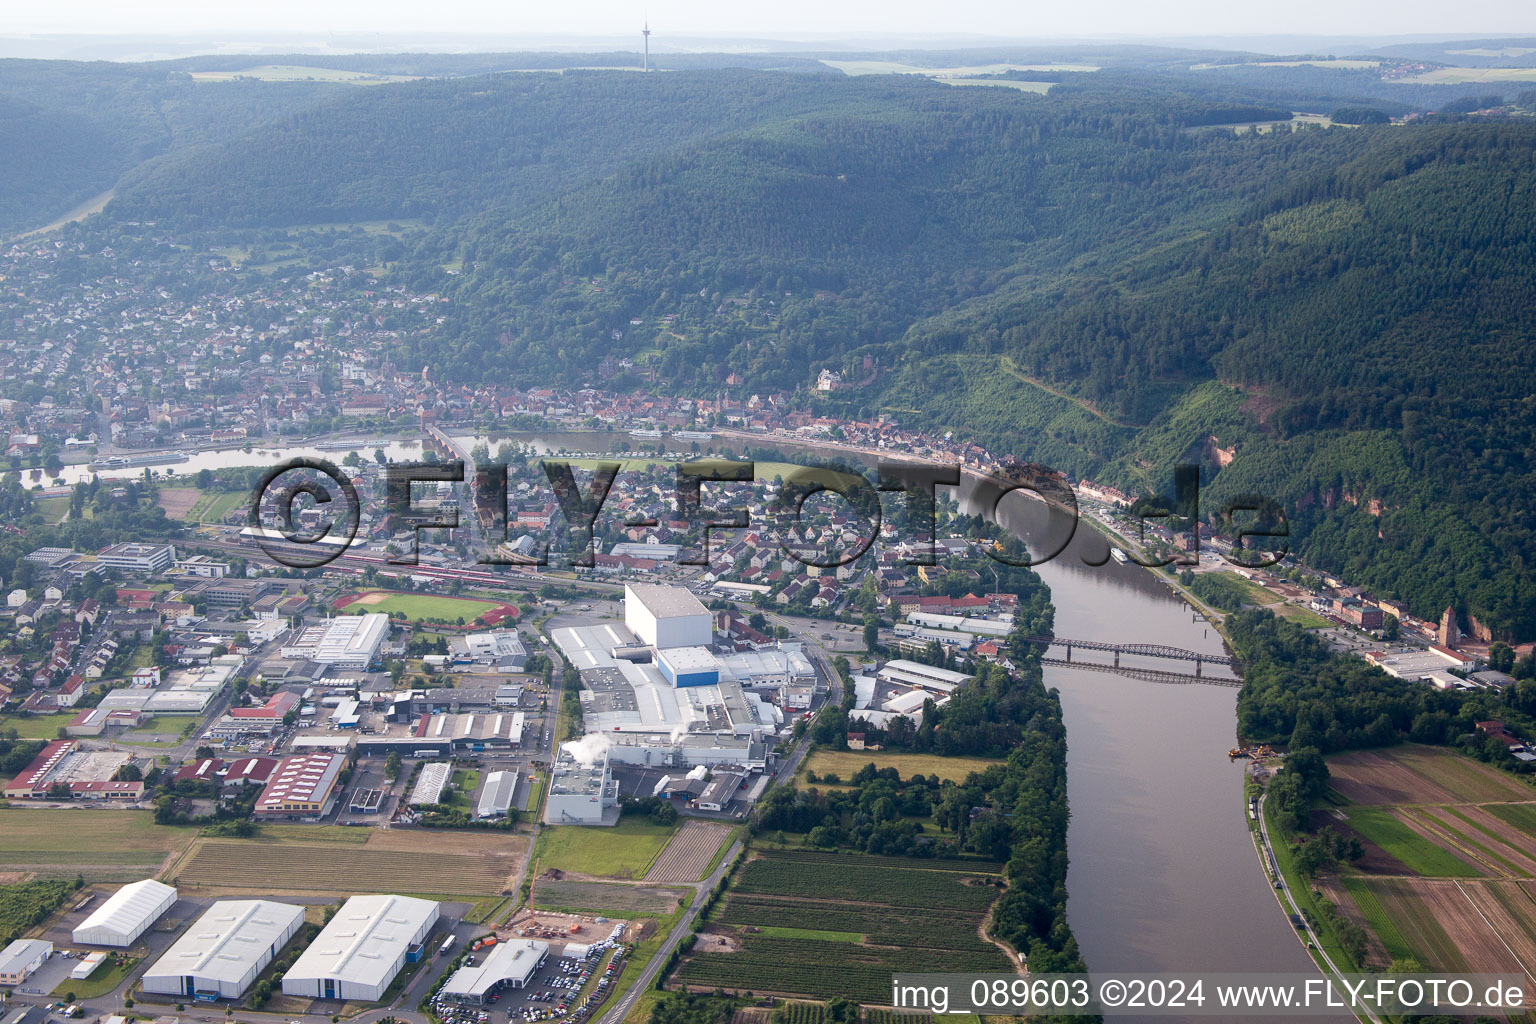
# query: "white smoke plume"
588 750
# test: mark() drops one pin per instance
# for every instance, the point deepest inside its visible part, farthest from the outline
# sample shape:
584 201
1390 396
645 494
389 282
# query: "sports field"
421 862
106 844
844 763
425 607
625 851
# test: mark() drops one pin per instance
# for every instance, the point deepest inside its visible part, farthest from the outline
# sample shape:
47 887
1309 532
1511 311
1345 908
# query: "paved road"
684 926
1304 934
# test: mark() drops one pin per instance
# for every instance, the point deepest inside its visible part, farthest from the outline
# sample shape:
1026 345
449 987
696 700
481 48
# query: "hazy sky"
779 18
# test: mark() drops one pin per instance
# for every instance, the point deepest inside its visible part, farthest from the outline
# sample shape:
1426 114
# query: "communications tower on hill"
646 32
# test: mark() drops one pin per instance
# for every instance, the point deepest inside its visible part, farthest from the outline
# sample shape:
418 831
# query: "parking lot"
553 993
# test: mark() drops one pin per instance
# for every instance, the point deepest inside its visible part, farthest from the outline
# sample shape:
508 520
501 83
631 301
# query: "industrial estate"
551 538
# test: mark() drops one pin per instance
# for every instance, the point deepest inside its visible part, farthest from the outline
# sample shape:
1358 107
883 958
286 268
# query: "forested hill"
70 130
1349 311
1338 318
442 149
1359 339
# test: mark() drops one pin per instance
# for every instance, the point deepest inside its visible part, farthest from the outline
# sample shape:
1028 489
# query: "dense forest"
1298 692
1105 278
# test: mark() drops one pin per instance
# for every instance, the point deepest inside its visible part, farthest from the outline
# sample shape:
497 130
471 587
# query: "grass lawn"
624 851
1303 617
102 980
465 782
160 725
536 795
1419 855
37 727
417 607
844 763
53 509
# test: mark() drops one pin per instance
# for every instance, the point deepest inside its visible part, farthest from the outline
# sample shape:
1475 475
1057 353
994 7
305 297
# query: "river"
1163 874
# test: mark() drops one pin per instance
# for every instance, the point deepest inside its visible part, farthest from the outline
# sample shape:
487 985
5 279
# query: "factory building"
302 786
345 642
688 666
127 914
581 790
650 719
359 953
662 616
914 673
225 950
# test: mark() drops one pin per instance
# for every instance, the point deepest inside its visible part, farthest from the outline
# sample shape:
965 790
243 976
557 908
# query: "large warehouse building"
663 616
220 956
362 949
127 914
345 642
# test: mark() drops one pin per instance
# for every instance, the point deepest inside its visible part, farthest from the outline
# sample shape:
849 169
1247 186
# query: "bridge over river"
1140 650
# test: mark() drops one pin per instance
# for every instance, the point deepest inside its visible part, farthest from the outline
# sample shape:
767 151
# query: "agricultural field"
1456 76
689 853
1379 825
890 67
626 850
609 898
844 763
1412 774
788 915
388 861
214 506
421 607
104 845
298 73
178 501
1449 878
